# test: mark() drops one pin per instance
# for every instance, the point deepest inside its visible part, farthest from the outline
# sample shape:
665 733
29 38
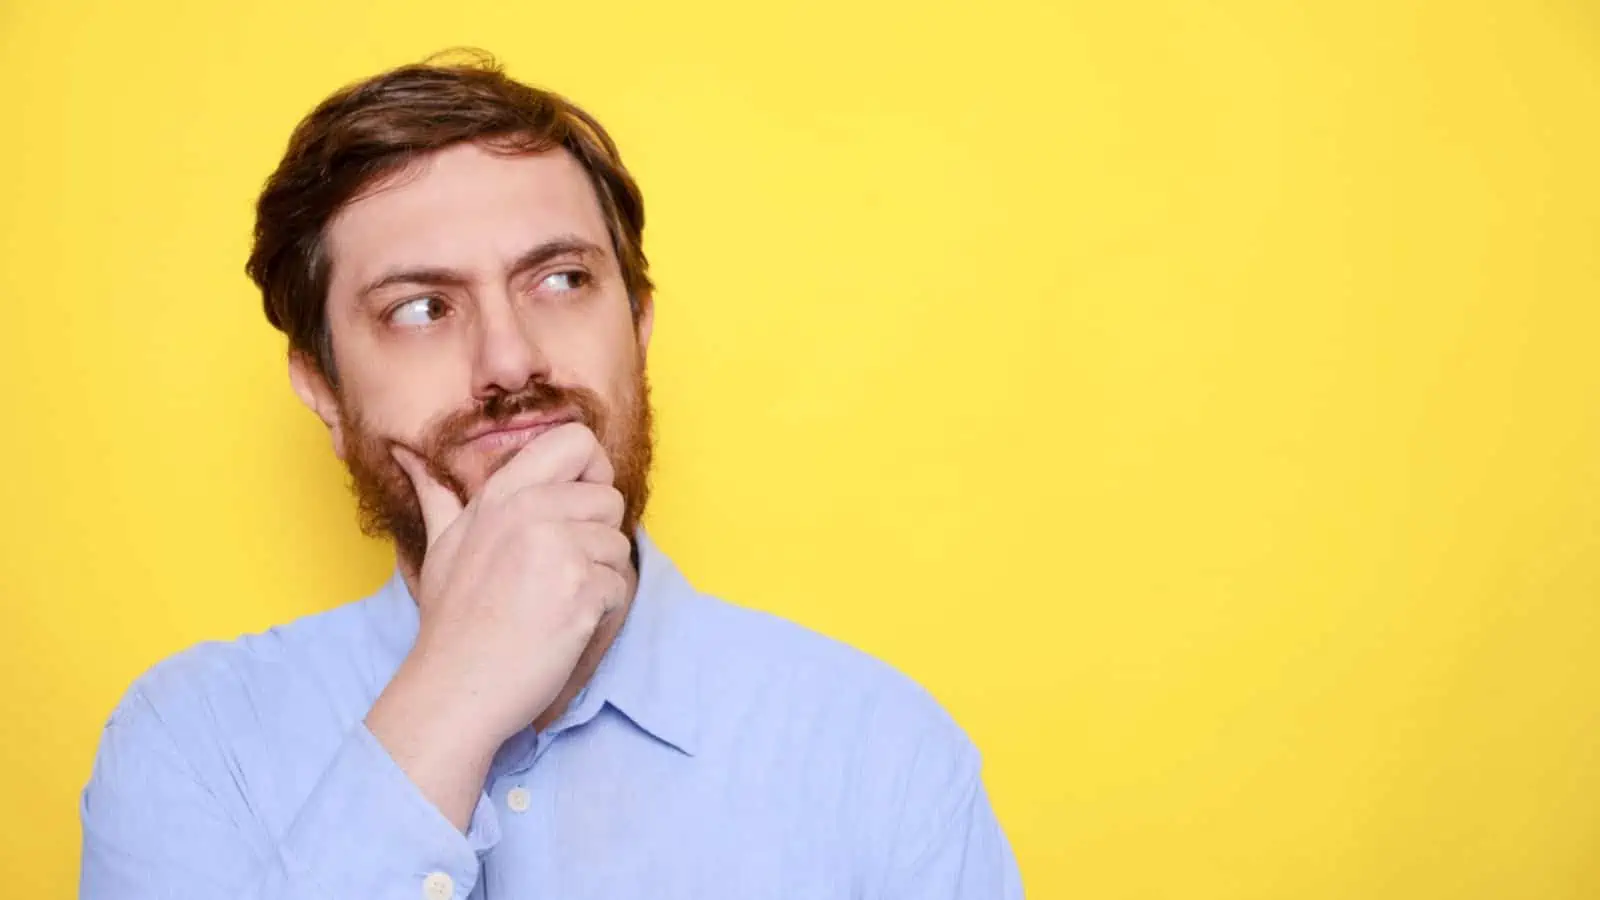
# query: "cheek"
398 408
399 385
584 360
610 355
613 382
626 376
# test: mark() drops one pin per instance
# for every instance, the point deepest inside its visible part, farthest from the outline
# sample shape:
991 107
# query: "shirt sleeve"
966 858
152 829
947 843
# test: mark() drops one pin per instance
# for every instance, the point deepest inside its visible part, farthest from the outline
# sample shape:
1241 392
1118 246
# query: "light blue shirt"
718 752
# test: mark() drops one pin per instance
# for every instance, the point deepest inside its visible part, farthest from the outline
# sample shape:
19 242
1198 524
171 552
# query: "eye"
566 281
419 311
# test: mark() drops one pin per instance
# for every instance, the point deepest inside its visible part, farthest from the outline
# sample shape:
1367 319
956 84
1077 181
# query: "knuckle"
620 547
615 502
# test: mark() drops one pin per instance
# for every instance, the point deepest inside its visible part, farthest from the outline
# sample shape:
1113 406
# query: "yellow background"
1198 397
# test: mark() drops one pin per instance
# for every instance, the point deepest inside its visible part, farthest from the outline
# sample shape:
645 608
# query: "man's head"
455 257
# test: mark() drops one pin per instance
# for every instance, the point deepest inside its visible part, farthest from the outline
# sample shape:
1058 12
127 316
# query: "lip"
517 430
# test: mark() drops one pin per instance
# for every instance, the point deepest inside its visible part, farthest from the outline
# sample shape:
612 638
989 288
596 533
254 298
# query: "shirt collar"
649 673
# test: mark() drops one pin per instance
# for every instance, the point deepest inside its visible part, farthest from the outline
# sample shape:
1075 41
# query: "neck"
592 654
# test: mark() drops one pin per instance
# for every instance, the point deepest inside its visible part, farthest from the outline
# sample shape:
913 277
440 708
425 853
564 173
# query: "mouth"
515 432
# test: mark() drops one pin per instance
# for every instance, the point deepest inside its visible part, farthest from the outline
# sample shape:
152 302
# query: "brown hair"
376 127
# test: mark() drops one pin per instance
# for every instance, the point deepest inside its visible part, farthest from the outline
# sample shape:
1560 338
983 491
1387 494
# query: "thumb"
440 506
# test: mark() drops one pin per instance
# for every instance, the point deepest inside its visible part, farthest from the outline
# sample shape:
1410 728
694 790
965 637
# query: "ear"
646 321
314 391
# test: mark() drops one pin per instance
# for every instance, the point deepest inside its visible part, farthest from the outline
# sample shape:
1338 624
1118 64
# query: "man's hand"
514 585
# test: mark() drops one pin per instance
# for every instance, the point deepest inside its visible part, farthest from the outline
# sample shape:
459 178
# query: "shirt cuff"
367 831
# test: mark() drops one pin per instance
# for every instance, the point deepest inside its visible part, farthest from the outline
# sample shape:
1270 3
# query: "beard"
387 501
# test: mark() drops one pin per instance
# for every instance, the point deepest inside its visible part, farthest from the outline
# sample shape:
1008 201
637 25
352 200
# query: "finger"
610 587
440 505
597 469
605 545
575 501
568 452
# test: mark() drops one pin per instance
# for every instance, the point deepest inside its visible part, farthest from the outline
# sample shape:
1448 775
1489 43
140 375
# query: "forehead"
466 208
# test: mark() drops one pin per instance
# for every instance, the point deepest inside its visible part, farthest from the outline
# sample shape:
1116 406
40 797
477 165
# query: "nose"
507 353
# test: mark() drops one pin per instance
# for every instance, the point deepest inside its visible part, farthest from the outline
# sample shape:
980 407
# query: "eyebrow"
438 276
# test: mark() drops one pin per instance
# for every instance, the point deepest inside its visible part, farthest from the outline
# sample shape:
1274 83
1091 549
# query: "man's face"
474 302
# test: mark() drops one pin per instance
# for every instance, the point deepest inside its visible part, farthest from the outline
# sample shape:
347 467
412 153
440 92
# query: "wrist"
442 748
437 712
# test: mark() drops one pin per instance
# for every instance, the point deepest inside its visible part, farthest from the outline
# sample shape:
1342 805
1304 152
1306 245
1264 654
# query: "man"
537 704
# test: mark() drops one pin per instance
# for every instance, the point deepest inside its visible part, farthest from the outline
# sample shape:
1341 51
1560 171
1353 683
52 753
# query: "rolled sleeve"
367 829
153 827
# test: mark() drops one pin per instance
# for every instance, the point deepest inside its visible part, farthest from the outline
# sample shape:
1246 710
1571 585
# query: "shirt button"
518 799
438 886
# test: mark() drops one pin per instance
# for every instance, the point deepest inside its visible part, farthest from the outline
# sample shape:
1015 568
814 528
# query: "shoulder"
811 680
763 646
862 746
328 648
238 727
219 699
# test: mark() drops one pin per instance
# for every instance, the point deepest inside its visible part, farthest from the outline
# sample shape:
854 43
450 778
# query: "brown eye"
566 282
421 311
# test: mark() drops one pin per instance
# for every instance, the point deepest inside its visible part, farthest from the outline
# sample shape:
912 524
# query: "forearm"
432 731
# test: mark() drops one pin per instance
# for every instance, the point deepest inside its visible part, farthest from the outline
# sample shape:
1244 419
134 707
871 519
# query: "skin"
445 292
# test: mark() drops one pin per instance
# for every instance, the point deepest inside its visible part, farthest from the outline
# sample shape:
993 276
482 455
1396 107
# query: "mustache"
537 396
